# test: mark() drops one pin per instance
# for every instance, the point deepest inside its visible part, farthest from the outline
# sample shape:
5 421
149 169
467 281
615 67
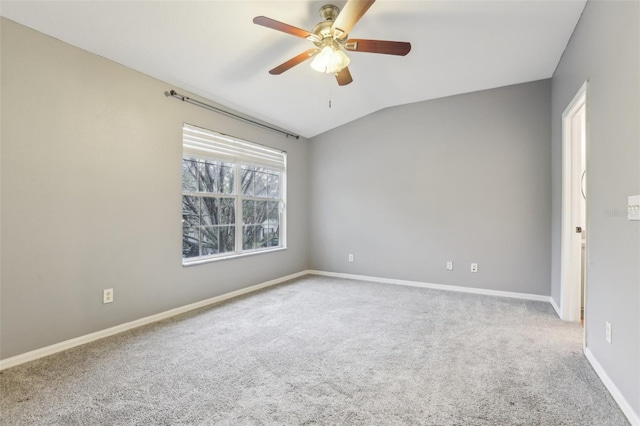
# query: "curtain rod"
187 99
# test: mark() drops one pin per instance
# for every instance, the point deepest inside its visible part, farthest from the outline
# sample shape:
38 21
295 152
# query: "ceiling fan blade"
400 48
344 77
293 61
285 28
349 16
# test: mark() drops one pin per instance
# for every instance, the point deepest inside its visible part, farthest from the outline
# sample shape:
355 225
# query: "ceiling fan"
330 37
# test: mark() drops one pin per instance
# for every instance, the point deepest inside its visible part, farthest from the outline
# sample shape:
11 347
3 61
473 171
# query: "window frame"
238 197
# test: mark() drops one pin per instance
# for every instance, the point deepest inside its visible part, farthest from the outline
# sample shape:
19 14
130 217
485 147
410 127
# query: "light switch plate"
633 208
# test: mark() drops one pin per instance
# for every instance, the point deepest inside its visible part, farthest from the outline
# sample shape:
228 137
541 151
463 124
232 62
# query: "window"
233 196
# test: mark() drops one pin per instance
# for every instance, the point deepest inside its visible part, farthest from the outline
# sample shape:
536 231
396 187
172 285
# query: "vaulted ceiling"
213 49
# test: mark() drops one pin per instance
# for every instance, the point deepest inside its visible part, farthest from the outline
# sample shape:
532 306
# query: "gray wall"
91 196
464 178
604 49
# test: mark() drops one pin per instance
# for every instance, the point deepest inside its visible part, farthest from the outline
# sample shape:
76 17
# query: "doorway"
574 208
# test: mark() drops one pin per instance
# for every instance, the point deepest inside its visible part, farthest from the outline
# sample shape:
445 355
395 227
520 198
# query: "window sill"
230 256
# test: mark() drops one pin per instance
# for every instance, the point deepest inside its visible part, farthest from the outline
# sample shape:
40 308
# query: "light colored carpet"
324 351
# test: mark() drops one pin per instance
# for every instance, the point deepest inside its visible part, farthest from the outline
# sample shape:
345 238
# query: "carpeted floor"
324 351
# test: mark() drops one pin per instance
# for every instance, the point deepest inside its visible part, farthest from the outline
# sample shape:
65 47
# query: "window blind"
205 143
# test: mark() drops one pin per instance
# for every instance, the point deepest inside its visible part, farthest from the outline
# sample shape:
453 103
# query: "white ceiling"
213 49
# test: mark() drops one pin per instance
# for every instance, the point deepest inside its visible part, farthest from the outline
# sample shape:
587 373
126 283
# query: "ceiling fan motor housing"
323 29
329 13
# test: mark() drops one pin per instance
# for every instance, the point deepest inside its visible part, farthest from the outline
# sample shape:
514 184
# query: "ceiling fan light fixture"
330 60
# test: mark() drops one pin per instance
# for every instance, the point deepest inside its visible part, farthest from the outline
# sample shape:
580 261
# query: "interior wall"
91 196
605 50
464 179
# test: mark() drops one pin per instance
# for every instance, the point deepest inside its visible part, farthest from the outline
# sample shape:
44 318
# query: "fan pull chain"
330 80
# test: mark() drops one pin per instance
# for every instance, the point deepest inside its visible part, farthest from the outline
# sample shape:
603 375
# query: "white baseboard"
460 289
624 405
68 344
555 307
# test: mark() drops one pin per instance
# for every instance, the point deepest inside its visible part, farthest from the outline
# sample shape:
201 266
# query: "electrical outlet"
350 257
449 266
607 334
107 295
474 267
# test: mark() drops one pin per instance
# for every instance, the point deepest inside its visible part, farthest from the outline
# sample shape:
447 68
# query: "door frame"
570 272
